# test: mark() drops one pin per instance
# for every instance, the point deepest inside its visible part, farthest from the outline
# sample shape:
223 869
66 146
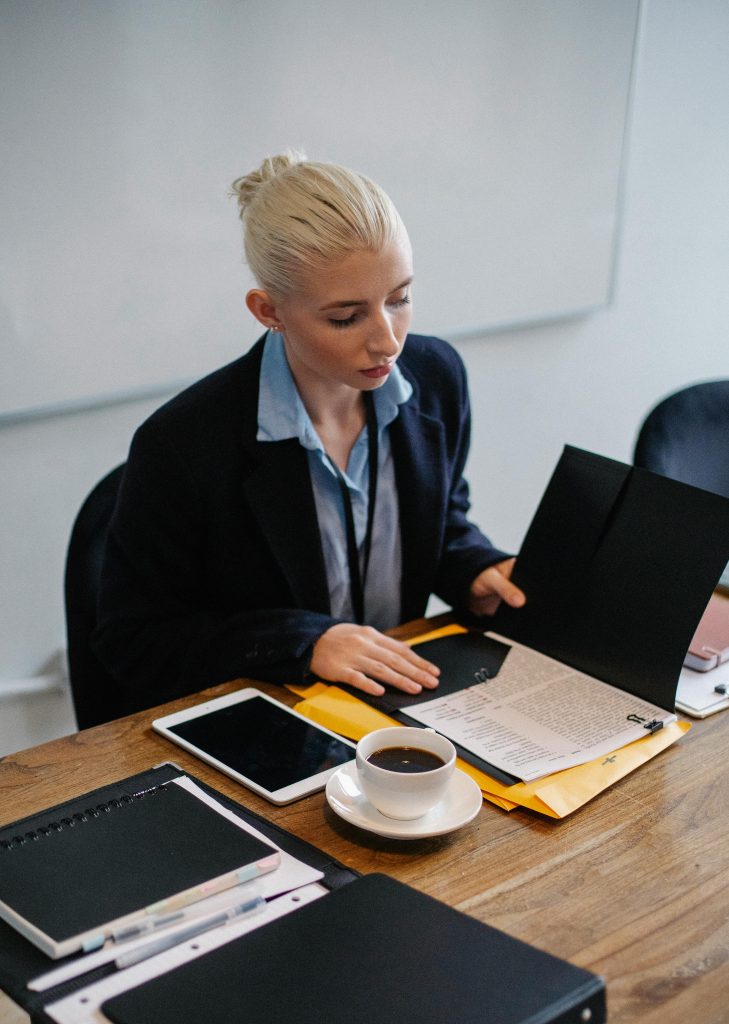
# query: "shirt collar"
281 413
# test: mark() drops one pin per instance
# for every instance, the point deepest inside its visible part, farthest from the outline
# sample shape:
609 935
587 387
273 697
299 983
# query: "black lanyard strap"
358 579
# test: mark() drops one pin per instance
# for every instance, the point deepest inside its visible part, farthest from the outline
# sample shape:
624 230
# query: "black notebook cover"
74 874
373 951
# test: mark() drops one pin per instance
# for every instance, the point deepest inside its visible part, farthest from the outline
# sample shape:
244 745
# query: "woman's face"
346 324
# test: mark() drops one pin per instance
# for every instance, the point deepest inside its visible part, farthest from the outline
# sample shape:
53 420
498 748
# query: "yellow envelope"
555 795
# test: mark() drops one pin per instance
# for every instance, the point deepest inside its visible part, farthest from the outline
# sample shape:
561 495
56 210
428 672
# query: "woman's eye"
344 323
348 321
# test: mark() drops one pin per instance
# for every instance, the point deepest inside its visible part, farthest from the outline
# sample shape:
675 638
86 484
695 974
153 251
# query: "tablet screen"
264 743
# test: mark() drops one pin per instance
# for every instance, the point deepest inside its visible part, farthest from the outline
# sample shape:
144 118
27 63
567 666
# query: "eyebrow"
345 303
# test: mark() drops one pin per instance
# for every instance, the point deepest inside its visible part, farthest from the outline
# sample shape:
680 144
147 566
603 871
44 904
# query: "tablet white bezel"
286 795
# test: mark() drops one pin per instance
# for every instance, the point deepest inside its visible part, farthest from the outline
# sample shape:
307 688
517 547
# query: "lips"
376 372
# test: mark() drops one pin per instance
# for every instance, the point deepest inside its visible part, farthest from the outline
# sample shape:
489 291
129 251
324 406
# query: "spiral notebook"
67 883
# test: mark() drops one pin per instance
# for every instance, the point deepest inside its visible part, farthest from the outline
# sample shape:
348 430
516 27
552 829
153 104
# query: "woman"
276 517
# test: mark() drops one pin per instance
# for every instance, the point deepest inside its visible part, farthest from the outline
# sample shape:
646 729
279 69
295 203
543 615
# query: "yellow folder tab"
343 713
555 795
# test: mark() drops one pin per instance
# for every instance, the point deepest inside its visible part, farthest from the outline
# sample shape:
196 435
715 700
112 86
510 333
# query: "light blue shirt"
281 415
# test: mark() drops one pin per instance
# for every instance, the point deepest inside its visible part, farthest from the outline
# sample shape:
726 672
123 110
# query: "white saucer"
461 803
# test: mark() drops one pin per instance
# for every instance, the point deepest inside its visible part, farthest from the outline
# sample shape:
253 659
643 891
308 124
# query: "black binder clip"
653 726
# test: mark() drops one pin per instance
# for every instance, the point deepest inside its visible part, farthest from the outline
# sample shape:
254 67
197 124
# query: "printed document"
538 716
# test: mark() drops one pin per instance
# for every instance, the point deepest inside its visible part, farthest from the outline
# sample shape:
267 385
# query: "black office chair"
686 437
92 688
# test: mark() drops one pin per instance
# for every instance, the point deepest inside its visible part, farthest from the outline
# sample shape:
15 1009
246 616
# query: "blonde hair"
299 215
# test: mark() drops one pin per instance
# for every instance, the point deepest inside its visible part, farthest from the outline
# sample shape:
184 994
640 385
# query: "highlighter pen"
164 942
245 874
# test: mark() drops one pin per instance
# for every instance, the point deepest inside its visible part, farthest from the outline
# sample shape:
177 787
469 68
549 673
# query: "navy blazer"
214 567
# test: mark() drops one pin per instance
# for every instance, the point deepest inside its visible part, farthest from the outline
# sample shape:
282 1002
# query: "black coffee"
406 759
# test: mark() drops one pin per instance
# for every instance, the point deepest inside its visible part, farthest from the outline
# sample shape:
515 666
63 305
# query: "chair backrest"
686 437
92 688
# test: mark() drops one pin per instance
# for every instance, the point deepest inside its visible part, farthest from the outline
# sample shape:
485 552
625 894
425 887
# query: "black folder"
618 566
373 951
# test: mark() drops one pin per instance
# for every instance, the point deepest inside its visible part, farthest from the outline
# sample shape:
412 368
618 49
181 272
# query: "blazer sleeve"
161 632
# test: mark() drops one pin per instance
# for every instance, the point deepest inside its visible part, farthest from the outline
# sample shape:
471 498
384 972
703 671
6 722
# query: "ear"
263 308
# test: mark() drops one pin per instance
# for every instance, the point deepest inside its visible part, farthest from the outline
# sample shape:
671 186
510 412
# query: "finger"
492 581
398 669
359 681
484 605
509 592
426 672
386 673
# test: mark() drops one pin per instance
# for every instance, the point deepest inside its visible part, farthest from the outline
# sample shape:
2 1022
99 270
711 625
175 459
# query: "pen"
173 903
164 942
221 900
83 965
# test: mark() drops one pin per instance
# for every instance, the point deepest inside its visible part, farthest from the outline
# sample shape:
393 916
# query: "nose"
383 341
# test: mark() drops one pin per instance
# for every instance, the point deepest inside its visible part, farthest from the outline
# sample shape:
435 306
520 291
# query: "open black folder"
618 566
21 960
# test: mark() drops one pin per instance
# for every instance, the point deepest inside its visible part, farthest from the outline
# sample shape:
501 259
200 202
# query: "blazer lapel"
280 496
418 445
279 493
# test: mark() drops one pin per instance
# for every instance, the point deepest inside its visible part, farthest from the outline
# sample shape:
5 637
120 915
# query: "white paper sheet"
538 716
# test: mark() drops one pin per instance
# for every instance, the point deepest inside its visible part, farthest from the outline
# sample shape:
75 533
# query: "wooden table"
634 886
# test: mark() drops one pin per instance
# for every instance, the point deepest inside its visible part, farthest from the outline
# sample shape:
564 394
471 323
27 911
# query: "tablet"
260 743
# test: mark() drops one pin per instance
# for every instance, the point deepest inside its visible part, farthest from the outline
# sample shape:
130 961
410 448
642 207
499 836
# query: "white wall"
47 467
589 382
130 119
586 382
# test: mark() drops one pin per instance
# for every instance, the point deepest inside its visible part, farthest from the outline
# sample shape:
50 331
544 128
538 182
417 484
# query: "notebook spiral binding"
79 817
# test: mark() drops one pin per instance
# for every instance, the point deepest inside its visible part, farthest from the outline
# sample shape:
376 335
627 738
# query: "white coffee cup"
404 794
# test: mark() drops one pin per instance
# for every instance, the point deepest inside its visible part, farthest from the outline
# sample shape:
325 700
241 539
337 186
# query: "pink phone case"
710 645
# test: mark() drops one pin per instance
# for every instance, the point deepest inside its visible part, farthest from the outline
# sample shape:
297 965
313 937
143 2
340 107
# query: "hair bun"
247 187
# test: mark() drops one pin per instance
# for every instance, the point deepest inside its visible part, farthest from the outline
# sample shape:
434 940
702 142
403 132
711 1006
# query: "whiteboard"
497 126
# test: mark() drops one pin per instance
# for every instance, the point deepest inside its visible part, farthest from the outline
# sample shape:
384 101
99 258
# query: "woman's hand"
492 586
364 658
